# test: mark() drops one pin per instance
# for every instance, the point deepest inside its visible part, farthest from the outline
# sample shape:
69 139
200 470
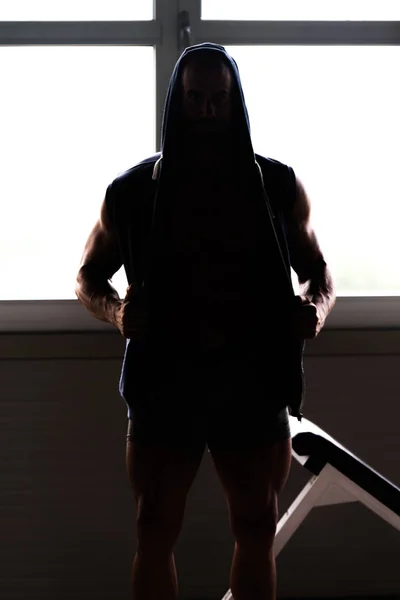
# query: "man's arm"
316 284
100 260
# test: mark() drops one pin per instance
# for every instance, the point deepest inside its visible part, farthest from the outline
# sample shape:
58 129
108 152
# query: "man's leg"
160 478
252 480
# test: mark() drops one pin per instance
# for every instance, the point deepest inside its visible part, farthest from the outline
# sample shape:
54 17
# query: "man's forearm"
320 290
97 295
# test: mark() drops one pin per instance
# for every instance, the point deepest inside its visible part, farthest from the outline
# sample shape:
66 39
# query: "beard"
203 127
209 137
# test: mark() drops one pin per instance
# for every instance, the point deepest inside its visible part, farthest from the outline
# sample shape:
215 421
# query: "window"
333 116
302 10
71 120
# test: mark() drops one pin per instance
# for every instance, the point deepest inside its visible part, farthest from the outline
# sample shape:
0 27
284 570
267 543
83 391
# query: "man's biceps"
302 235
101 271
99 245
302 205
104 257
298 237
112 262
305 255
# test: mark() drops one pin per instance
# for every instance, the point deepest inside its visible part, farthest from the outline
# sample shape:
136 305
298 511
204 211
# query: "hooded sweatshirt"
208 250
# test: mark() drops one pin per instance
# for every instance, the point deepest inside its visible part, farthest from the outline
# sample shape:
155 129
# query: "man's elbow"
79 281
312 270
85 276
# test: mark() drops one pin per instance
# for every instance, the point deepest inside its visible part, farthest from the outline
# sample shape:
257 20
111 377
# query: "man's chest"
212 217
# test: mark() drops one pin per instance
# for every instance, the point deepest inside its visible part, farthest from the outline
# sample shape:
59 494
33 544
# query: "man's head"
206 93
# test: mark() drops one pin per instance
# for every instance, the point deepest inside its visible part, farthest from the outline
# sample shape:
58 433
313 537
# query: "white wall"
67 512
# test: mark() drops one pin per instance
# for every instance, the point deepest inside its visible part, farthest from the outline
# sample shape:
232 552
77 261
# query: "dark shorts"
224 404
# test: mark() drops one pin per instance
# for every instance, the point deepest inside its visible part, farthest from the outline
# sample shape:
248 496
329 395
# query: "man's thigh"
246 428
249 440
174 430
245 409
169 413
252 480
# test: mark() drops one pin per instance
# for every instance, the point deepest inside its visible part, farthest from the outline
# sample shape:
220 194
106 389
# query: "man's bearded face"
206 102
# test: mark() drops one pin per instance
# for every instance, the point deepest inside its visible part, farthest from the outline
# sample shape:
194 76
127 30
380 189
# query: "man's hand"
307 322
317 290
131 314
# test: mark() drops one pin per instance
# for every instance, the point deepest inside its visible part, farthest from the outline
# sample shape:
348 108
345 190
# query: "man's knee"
257 528
158 526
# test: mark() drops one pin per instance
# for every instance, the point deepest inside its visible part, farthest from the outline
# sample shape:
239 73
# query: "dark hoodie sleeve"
110 203
291 190
280 185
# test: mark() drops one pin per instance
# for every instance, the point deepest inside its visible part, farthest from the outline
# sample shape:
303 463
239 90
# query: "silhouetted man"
207 231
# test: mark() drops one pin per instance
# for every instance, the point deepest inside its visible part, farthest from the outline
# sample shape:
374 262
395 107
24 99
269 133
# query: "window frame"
38 316
163 33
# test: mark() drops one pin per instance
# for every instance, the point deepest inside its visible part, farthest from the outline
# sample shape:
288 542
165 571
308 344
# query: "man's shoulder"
142 172
272 165
279 181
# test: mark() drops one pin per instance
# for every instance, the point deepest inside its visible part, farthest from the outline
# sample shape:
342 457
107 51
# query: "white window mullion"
297 32
138 33
166 54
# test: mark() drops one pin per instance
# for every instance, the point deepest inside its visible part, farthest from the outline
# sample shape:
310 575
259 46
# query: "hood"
247 171
172 114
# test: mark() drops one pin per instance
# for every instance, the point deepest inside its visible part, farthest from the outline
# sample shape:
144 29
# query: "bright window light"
76 10
302 10
71 119
332 114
